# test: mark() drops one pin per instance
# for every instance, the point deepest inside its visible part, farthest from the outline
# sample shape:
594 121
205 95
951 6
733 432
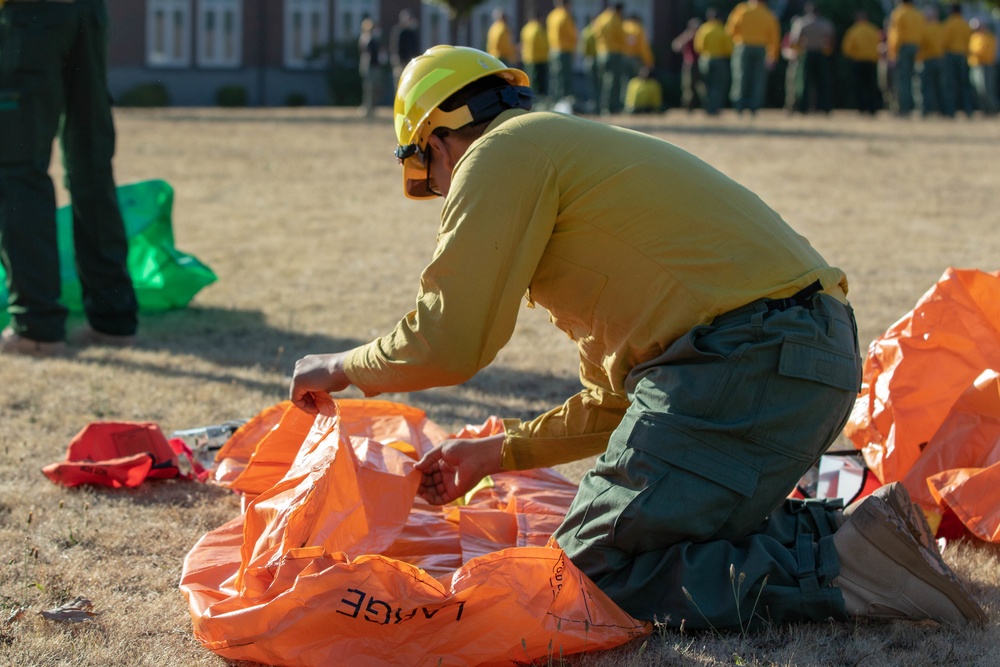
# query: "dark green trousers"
611 73
53 82
749 77
561 74
685 517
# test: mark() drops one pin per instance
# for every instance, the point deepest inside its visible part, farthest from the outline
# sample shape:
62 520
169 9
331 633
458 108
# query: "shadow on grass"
232 338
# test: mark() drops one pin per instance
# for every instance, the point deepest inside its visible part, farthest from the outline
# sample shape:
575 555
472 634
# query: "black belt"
800 298
743 313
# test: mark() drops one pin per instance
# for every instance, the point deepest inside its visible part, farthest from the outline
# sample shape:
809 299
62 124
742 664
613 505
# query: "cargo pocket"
683 487
806 399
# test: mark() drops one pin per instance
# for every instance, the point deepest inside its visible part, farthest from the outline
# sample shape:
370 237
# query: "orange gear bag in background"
336 558
115 454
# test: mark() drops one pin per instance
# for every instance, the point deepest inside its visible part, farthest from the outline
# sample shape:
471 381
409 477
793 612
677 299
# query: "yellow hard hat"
426 82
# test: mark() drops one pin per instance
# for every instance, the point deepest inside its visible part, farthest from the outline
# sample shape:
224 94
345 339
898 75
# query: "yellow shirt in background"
931 41
906 26
561 30
534 43
712 40
627 251
982 49
499 44
956 35
753 24
861 42
636 43
609 32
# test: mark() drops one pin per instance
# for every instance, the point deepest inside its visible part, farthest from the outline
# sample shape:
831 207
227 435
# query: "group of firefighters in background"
916 62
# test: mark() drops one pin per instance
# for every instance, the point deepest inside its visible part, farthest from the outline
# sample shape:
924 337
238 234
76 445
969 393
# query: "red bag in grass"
116 454
929 410
336 559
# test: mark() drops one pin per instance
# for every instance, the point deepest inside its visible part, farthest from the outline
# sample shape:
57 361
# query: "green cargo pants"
694 482
53 82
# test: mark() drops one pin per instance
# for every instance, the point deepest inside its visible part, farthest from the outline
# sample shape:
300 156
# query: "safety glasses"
416 164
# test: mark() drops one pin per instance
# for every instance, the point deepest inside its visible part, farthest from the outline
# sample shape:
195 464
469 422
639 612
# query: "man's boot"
886 573
898 499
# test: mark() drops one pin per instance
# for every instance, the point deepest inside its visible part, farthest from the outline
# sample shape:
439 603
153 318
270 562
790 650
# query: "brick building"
193 48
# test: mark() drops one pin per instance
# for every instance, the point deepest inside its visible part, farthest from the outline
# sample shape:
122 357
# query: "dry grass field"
300 213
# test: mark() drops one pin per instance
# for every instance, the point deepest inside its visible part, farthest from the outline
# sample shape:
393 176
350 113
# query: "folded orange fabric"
337 560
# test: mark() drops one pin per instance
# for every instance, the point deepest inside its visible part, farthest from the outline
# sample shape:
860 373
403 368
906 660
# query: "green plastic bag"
164 277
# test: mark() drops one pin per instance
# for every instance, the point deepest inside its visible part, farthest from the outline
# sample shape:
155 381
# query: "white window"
350 13
307 32
168 33
220 33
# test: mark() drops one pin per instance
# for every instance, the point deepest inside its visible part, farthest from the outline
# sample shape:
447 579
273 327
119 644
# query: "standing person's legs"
713 82
614 74
687 86
930 86
602 81
867 86
904 78
992 104
949 92
736 91
824 83
965 86
88 140
34 40
719 430
758 83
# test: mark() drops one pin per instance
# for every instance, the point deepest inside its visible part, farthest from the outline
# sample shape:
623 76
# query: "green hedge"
231 96
145 95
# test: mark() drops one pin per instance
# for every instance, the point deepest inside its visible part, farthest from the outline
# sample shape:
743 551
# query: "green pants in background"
749 71
693 486
715 81
611 72
53 82
905 66
561 75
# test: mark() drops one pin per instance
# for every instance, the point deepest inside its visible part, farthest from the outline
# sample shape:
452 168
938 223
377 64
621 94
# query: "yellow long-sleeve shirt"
499 43
956 35
712 40
627 253
534 43
931 41
753 24
861 42
906 26
561 30
982 49
609 32
636 43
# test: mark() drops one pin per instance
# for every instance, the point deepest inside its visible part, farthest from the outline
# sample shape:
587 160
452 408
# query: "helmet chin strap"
484 106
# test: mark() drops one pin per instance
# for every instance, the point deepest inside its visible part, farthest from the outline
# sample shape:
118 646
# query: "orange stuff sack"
115 454
929 409
337 561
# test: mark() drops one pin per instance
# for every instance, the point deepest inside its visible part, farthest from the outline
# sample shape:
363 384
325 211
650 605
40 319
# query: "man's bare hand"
317 373
454 467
